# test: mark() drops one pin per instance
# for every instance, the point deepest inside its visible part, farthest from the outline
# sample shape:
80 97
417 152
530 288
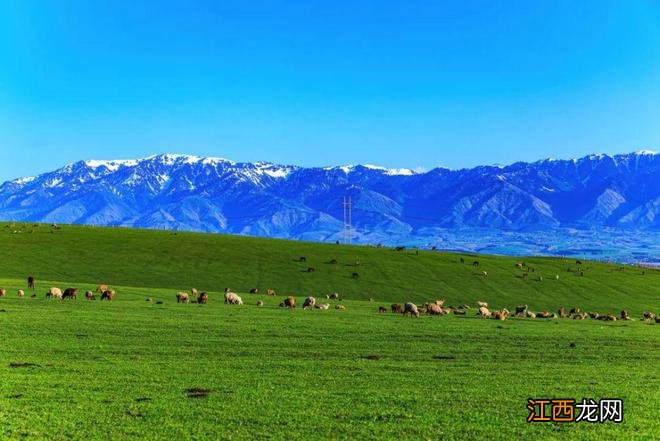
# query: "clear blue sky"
400 84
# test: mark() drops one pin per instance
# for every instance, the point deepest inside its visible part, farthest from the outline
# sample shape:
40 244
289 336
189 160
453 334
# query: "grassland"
133 369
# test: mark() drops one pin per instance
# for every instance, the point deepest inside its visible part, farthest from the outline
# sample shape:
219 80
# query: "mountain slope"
182 192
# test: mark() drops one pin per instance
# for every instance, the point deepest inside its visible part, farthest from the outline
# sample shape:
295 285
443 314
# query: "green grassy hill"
163 259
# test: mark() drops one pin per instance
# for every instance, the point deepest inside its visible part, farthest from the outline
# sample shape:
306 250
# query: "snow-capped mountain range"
182 192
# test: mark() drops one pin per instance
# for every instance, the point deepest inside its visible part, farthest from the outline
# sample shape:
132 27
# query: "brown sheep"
54 292
410 308
21 293
382 309
3 292
309 302
254 291
90 295
580 316
648 316
203 298
501 315
30 282
102 288
70 293
182 297
271 292
625 315
561 312
340 307
573 311
290 302
396 308
108 295
260 303
543 314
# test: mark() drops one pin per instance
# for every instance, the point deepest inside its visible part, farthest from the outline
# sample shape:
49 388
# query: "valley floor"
135 369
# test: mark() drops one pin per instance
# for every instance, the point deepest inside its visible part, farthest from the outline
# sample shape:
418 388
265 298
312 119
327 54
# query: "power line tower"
348 215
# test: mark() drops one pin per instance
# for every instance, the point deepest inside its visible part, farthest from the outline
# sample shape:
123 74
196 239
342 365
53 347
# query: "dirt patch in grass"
444 357
198 392
22 365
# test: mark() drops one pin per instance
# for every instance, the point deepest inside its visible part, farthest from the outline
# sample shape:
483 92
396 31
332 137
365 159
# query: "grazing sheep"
271 292
484 273
575 310
519 265
333 296
90 295
54 293
254 291
231 298
433 309
561 312
580 316
30 282
475 263
70 293
260 303
648 316
482 304
108 295
311 269
21 293
382 309
501 315
484 312
290 302
355 275
440 302
521 310
396 308
102 288
594 315
182 297
302 259
340 307
625 315
203 298
309 302
3 292
322 306
530 314
459 312
410 308
609 318
543 314
464 306
193 293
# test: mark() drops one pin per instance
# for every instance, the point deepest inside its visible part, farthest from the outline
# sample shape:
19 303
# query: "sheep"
484 312
625 315
382 309
108 295
309 302
203 298
289 302
271 292
501 315
322 306
260 303
440 302
433 309
530 314
90 295
396 308
302 259
333 296
648 316
254 291
30 282
340 307
182 297
573 311
609 318
102 288
70 293
3 292
355 275
311 269
193 293
484 273
410 308
521 310
594 315
21 293
482 304
459 312
561 312
580 316
543 314
231 298
54 292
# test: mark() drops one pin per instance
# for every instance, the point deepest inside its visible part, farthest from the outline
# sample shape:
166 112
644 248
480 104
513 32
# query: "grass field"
133 369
